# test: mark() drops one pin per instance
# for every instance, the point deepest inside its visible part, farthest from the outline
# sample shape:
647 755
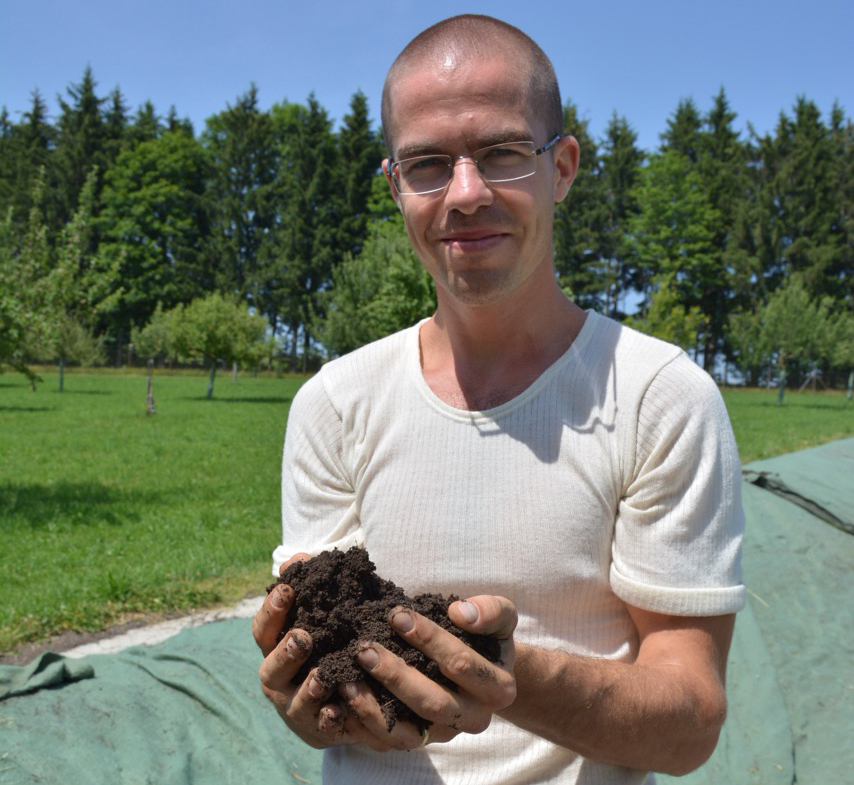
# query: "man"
577 481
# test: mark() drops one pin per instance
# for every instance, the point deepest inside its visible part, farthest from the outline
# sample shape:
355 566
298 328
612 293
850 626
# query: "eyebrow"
500 136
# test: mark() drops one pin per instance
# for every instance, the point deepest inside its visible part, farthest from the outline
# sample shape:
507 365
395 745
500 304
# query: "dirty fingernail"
278 598
402 621
368 658
294 649
315 688
350 691
468 610
329 716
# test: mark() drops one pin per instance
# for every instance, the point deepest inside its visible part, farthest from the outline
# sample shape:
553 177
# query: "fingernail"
278 598
368 658
315 688
350 691
468 610
330 715
402 621
294 649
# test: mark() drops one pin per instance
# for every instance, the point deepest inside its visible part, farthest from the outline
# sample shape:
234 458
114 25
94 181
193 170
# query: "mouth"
473 240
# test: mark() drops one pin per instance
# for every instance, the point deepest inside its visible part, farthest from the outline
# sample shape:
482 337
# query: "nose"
467 190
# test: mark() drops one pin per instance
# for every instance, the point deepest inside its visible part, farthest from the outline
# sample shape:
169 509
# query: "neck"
477 357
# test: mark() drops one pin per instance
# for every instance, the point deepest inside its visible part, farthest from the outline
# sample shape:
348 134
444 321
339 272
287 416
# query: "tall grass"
106 512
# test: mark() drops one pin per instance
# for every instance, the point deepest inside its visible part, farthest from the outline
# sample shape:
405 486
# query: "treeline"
739 249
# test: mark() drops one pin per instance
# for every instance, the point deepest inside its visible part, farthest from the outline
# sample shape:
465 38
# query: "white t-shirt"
614 478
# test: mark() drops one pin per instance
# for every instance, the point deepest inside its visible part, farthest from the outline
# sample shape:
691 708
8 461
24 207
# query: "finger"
493 684
451 712
372 727
316 721
313 706
282 663
485 615
295 558
270 618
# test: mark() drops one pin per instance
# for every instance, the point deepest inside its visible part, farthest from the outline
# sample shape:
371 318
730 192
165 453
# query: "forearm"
655 717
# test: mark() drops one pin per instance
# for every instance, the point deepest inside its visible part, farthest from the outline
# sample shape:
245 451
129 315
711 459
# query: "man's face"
481 242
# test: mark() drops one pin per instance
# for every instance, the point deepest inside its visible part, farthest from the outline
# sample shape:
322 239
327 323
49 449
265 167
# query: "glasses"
498 163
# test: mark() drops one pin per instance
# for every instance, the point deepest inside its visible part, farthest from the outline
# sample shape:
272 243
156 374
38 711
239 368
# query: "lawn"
107 512
763 429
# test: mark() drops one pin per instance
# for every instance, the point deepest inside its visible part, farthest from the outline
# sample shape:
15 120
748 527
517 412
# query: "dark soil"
342 603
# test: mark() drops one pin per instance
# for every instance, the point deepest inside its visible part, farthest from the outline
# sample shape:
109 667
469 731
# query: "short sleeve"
319 509
677 539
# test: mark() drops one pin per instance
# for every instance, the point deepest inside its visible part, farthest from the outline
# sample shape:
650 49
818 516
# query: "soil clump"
342 603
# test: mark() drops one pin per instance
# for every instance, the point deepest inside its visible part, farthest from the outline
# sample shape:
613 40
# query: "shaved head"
468 39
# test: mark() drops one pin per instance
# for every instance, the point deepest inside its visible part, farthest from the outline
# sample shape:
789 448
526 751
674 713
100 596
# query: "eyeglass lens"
497 163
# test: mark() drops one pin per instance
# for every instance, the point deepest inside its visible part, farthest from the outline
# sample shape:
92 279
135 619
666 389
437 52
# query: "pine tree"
242 157
684 131
841 271
81 143
115 127
146 125
621 169
27 155
723 168
580 259
360 155
306 250
176 123
800 228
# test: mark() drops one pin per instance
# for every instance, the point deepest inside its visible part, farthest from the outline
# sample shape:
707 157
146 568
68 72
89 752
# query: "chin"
480 290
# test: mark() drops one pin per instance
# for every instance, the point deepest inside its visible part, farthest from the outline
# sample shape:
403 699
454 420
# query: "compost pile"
341 602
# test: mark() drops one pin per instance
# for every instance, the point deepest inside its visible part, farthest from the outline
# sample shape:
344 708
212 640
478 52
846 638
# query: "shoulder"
654 391
362 374
624 360
629 346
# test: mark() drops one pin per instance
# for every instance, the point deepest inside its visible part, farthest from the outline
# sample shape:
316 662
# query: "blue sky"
638 59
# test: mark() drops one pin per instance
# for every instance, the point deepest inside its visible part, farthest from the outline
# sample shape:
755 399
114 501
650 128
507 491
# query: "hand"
483 687
315 714
301 706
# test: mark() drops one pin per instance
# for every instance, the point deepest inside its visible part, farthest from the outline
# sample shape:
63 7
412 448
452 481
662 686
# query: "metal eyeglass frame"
453 158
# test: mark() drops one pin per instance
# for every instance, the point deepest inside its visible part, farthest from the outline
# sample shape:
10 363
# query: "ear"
394 194
566 166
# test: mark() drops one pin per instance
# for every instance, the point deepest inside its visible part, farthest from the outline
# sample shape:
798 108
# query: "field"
763 429
107 512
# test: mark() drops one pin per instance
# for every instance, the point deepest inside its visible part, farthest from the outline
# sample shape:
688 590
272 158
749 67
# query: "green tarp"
190 709
791 668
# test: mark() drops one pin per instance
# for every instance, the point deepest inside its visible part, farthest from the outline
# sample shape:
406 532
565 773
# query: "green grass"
106 513
763 429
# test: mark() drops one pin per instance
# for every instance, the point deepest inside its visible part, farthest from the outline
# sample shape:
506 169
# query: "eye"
504 154
425 164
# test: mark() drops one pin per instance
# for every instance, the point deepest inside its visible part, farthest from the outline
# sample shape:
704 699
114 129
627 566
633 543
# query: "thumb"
485 614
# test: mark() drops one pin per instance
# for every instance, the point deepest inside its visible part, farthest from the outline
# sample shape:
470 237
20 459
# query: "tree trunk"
294 339
781 386
211 380
149 394
61 373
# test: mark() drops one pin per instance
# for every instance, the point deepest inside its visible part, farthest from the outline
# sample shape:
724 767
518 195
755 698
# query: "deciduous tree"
214 329
384 289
